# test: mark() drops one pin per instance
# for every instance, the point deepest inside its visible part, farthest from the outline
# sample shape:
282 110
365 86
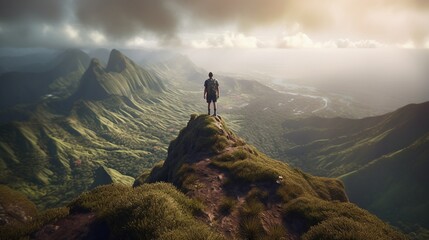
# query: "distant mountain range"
59 80
116 116
121 77
382 160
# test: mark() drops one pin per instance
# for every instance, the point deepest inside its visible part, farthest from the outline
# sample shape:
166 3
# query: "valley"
118 117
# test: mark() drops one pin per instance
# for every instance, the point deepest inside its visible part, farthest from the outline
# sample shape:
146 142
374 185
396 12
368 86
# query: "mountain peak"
95 64
90 87
117 61
209 162
70 60
104 175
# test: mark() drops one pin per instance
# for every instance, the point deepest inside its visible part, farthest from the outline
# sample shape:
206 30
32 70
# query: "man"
211 92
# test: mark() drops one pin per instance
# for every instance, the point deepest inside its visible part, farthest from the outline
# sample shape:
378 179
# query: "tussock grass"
142 178
150 211
203 134
337 220
18 230
276 232
17 203
227 204
251 228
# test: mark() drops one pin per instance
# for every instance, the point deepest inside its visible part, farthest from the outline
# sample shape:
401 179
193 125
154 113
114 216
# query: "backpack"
212 87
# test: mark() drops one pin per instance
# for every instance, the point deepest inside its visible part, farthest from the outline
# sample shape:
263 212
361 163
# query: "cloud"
227 40
243 13
29 10
97 37
302 40
299 40
139 42
42 22
124 19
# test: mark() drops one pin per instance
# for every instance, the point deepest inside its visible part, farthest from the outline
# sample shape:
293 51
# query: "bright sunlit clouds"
71 32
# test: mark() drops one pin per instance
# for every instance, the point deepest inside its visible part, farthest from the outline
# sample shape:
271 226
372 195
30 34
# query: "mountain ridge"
50 149
382 160
209 162
214 186
58 81
121 77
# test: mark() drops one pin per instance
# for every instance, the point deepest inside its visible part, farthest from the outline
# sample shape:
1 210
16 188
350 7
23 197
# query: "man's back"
211 85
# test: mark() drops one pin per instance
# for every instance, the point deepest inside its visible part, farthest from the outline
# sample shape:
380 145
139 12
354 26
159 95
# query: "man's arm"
205 92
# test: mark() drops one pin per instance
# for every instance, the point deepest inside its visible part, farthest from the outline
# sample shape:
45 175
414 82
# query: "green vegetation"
16 208
23 230
382 160
396 182
124 116
227 205
58 81
203 134
250 222
105 175
151 211
251 228
336 220
248 165
310 205
51 156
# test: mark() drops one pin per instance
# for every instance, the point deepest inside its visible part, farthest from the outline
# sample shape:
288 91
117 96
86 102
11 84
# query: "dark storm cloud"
123 19
12 11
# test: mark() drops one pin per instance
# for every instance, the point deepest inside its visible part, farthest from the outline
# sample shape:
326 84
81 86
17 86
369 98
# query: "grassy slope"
338 146
401 176
51 152
55 156
311 207
382 159
152 211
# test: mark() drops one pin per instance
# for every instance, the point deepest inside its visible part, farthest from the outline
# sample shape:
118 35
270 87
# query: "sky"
303 24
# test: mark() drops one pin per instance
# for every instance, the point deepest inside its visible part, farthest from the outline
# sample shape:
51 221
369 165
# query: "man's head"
210 74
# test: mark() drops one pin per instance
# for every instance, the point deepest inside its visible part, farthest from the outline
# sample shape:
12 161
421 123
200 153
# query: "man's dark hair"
210 74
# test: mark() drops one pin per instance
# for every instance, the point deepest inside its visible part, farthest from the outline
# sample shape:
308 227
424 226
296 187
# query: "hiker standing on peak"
211 92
